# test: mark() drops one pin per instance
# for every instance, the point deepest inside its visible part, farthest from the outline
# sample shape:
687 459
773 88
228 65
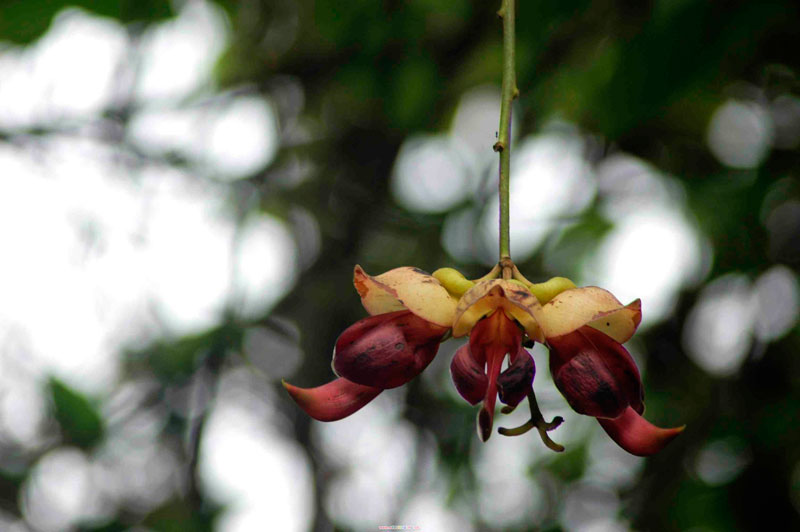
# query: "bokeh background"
185 187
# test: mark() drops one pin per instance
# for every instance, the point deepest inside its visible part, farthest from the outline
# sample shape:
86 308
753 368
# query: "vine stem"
503 144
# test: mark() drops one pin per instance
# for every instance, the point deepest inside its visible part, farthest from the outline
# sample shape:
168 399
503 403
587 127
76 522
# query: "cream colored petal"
406 288
620 324
593 306
487 296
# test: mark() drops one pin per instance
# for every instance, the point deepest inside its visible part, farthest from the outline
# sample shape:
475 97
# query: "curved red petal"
596 375
468 375
491 339
515 382
362 327
387 350
486 413
636 435
334 400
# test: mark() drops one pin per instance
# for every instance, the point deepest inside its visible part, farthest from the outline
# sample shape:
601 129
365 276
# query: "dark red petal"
333 401
495 332
387 350
636 435
361 327
494 360
515 382
468 376
490 340
595 374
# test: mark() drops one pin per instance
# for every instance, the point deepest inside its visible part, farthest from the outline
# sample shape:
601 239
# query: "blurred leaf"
344 24
174 361
10 483
113 526
414 90
697 505
568 466
24 21
129 10
679 51
178 359
79 419
576 243
178 516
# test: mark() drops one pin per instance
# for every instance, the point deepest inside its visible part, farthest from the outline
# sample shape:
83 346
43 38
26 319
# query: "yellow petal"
593 306
487 296
406 288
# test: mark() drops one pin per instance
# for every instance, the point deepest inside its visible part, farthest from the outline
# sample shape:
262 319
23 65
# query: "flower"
584 329
490 313
412 312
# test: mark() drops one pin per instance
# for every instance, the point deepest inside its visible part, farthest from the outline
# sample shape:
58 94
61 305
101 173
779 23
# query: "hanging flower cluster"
412 312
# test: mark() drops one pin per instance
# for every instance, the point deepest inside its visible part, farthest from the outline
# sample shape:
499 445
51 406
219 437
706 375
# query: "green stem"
503 144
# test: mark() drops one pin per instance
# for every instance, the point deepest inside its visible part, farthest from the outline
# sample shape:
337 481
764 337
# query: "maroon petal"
490 340
387 350
636 435
468 376
515 382
333 401
595 374
494 360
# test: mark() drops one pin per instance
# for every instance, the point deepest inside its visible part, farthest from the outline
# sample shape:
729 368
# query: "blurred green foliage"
80 421
24 21
641 77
